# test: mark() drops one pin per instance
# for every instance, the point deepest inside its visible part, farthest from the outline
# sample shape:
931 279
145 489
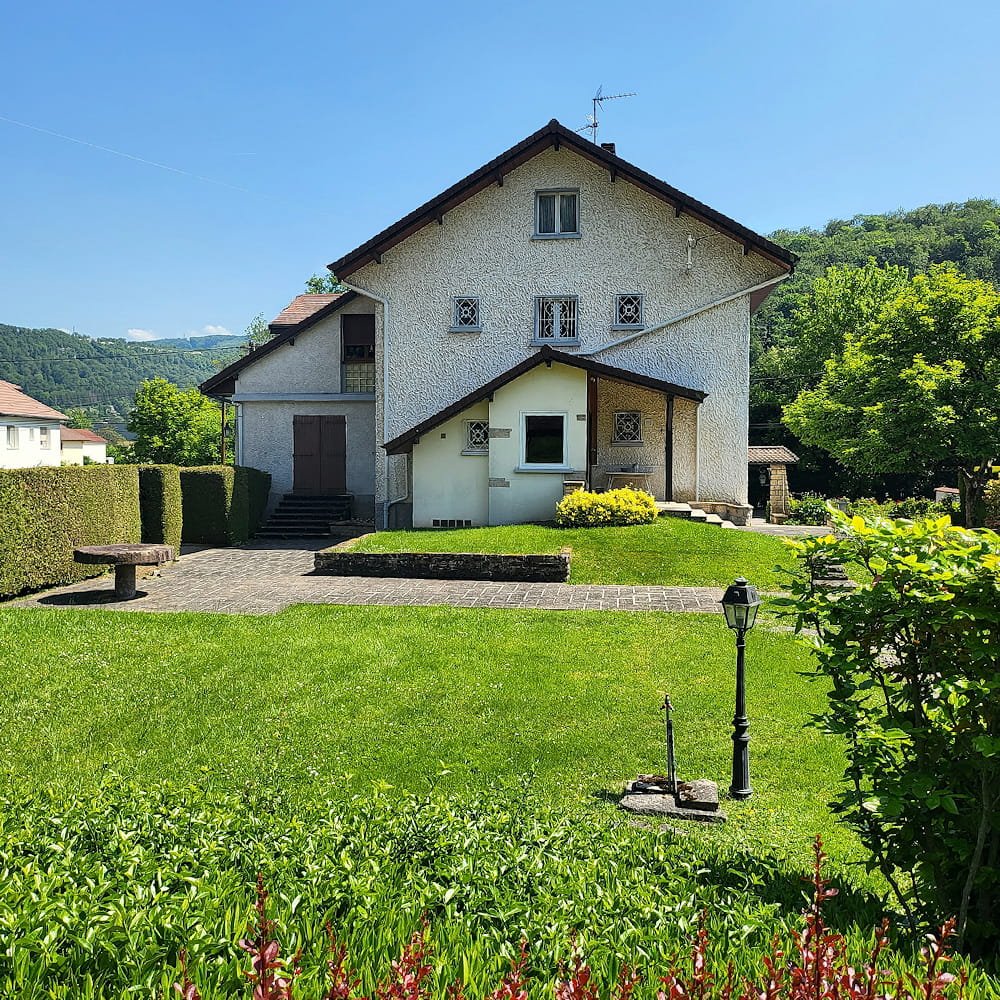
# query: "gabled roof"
285 327
546 355
15 403
770 454
80 434
554 134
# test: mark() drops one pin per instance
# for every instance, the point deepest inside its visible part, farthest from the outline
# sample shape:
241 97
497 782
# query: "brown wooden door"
319 455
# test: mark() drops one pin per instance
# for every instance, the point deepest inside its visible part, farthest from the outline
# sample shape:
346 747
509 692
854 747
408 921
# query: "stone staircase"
689 513
306 517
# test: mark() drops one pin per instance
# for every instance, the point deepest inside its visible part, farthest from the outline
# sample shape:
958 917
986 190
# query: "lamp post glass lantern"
740 603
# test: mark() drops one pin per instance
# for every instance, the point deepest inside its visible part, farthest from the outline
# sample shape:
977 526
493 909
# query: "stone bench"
124 558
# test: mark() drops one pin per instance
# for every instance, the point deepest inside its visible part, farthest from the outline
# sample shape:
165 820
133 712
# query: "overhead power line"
112 355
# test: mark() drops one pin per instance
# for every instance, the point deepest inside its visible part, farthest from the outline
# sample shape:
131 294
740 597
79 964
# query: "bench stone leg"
124 583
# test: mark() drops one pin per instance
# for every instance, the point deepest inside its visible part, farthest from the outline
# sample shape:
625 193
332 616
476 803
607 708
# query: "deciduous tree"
174 425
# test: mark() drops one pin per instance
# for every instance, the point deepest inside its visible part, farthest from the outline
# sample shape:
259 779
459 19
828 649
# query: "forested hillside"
68 370
784 359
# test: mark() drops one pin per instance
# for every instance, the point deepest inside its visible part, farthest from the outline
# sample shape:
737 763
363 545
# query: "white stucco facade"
27 442
83 452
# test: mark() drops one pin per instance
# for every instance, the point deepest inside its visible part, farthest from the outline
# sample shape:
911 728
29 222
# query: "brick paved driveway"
264 578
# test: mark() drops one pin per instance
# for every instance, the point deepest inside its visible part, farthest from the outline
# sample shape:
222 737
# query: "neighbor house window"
43 437
555 320
543 439
477 437
358 338
628 311
465 314
557 213
11 437
628 427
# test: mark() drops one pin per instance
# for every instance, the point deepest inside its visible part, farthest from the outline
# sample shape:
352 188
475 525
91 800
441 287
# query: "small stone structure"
777 458
124 557
445 565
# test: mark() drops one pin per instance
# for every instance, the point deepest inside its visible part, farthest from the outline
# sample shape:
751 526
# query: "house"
559 315
81 447
29 430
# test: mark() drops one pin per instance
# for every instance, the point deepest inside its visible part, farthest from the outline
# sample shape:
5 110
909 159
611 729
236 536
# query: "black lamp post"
740 603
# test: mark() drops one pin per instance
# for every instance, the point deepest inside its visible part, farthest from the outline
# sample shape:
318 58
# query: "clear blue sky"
338 118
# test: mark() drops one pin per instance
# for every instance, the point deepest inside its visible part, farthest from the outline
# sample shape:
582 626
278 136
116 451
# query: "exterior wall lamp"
740 603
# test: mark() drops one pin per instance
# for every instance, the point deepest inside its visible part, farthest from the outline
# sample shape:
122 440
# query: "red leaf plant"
816 967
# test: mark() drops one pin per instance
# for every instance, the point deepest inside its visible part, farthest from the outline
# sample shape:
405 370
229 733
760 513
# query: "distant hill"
68 370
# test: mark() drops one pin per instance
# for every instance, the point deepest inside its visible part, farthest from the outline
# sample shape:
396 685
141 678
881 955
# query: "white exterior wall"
75 452
447 484
29 451
630 242
304 378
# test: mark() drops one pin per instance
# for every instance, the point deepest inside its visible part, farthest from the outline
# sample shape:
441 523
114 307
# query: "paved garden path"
263 578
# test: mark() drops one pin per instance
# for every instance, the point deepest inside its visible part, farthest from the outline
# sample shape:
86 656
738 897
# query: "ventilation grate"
450 522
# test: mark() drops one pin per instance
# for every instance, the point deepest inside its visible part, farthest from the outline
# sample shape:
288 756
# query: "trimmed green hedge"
222 504
47 512
160 505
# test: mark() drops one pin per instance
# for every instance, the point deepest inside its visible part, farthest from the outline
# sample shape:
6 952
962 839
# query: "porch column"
779 492
592 413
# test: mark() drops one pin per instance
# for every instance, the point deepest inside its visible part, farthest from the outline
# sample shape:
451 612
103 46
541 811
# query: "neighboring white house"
29 430
557 315
81 446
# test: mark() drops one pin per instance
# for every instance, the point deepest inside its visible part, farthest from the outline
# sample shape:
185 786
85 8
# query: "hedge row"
160 505
222 505
47 512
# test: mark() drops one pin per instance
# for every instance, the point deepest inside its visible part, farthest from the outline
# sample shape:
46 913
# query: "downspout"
684 315
697 452
389 503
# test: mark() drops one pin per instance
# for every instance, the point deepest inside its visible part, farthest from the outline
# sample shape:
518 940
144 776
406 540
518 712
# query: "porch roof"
406 440
770 454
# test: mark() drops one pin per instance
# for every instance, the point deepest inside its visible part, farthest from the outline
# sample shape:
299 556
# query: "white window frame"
556 339
617 324
469 449
525 465
13 442
558 234
44 438
616 439
456 326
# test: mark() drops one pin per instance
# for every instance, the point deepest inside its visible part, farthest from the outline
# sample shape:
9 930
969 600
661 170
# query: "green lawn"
322 700
671 551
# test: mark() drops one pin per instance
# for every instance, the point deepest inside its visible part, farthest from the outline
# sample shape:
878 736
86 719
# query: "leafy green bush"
47 512
258 491
581 509
216 505
160 505
101 892
913 508
810 508
912 657
991 499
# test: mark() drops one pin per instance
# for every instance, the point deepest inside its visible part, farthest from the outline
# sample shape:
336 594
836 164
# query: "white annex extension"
557 316
29 430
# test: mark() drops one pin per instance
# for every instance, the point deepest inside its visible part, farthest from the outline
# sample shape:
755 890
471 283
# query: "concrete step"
673 509
290 533
700 515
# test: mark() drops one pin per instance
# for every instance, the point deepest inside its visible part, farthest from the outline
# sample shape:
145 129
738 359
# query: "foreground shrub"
160 505
809 508
258 491
912 656
216 505
991 502
817 969
582 509
47 512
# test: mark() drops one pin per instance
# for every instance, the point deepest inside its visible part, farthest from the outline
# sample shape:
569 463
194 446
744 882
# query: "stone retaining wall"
445 565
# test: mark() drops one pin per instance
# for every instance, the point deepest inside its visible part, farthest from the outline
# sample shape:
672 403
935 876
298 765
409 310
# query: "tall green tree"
257 332
917 387
80 418
174 425
324 284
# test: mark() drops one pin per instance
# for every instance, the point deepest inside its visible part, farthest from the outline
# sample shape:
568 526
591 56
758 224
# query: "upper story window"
555 320
628 312
11 437
465 315
477 437
357 334
557 213
44 440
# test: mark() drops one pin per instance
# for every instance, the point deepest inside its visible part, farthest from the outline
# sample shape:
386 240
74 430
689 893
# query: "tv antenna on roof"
598 101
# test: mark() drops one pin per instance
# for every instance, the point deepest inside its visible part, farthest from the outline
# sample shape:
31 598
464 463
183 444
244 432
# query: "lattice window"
555 319
359 377
477 436
628 427
465 314
628 310
557 213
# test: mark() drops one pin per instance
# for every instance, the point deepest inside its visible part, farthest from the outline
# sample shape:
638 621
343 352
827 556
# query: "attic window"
557 214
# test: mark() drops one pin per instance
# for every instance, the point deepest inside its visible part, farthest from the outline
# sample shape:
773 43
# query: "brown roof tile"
770 454
303 307
14 403
80 434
